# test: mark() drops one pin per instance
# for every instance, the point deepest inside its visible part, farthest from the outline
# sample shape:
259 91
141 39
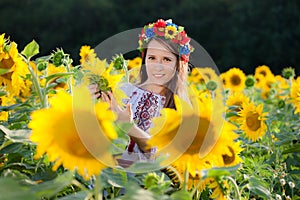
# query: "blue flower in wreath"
184 50
172 24
149 33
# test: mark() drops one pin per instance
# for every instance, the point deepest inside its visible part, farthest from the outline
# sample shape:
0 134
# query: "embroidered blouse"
144 106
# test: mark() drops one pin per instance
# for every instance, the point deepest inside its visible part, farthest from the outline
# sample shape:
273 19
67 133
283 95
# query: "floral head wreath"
169 31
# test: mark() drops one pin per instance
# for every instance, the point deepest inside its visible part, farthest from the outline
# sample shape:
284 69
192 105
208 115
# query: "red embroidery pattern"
145 110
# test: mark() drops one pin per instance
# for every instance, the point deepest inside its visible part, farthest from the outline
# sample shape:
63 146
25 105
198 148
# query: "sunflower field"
57 142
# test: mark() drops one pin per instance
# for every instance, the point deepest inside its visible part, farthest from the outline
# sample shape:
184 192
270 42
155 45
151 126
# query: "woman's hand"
93 88
124 115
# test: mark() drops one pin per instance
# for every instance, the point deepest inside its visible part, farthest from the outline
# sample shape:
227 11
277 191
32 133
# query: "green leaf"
2 93
10 189
11 107
3 71
259 187
31 49
142 167
11 148
16 135
50 188
58 75
182 195
116 178
221 171
293 149
76 196
135 192
231 114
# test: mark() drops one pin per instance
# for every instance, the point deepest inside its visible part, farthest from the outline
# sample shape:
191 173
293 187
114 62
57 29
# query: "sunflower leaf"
2 93
16 135
50 188
31 49
293 149
58 75
184 195
220 171
11 189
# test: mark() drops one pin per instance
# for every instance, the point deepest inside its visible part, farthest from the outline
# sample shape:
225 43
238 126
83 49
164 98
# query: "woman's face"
160 63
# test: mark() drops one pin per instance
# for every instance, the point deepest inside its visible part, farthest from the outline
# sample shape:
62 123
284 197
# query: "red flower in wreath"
183 38
159 27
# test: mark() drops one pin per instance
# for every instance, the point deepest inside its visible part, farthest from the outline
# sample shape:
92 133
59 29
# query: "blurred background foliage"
236 33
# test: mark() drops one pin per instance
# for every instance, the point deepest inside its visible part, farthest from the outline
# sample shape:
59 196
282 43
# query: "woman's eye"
167 59
151 58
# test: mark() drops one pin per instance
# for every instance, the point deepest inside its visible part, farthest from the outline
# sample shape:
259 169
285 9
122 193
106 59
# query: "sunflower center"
235 80
78 149
7 63
7 75
227 158
238 103
170 32
253 122
195 146
263 73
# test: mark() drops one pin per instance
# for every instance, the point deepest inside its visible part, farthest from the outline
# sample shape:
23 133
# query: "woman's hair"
177 85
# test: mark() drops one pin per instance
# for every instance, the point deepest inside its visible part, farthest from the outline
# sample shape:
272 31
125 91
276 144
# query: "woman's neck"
152 87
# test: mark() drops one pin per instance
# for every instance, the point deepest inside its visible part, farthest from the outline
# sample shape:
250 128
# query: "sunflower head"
187 133
252 120
70 131
288 73
295 94
235 79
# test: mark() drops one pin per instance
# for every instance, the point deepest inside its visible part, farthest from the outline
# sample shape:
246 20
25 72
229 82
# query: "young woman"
165 51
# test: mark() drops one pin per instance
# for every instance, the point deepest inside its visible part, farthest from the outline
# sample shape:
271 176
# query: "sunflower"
170 32
52 69
265 83
195 76
263 70
252 120
235 80
86 53
236 99
223 78
16 68
209 74
219 189
72 134
295 94
136 62
5 101
193 132
281 85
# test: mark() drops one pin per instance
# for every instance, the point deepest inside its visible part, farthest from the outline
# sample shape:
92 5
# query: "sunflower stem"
36 84
186 179
81 186
236 187
98 188
196 188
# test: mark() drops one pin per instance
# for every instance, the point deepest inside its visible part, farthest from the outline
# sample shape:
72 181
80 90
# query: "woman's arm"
140 137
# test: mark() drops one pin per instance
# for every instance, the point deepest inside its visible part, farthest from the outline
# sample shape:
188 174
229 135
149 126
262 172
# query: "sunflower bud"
151 179
119 62
58 58
211 85
250 81
42 66
288 73
281 104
